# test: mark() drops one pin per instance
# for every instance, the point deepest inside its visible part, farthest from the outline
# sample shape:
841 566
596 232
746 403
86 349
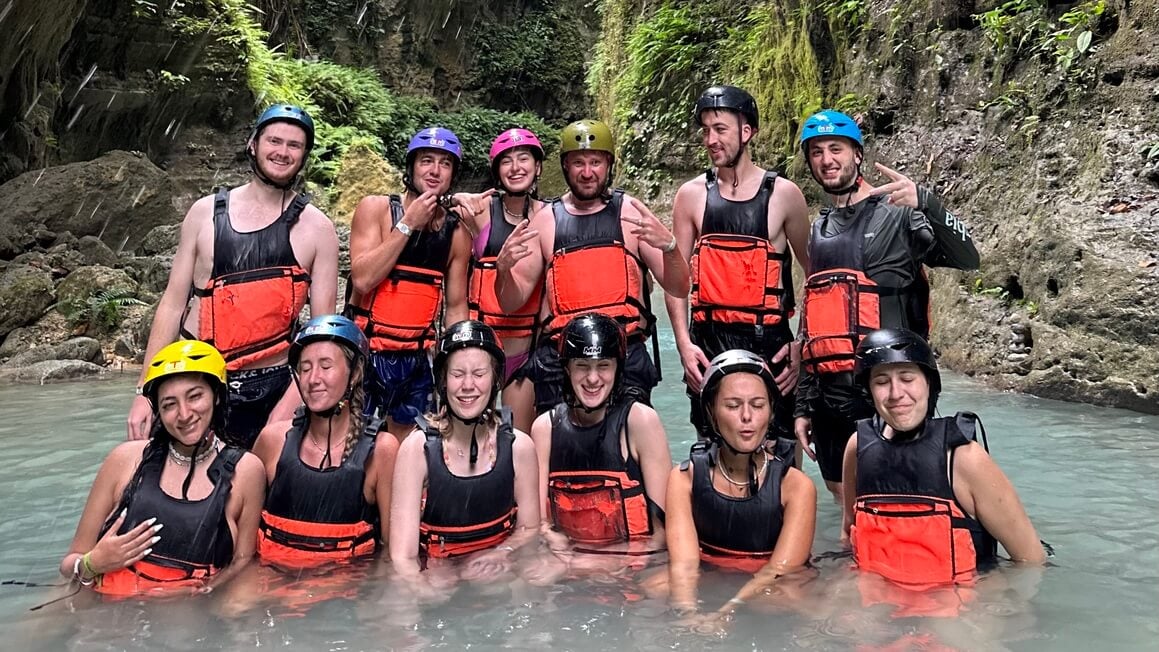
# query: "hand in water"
787 379
488 566
116 551
803 427
140 419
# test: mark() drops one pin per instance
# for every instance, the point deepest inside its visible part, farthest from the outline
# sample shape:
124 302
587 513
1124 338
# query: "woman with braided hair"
329 473
206 495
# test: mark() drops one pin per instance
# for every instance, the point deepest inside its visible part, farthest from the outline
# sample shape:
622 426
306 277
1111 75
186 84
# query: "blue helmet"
437 138
334 328
830 123
287 113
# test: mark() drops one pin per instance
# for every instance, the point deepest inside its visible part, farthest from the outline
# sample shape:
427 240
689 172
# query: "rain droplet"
83 82
75 115
4 12
357 21
170 127
137 197
446 20
35 100
39 176
112 98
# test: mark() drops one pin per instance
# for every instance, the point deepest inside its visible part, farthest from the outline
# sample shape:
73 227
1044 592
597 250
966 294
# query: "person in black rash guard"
866 255
250 258
603 456
466 481
177 512
737 502
737 223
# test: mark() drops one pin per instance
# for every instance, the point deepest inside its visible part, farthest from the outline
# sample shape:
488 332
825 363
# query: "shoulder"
314 217
542 423
642 413
414 444
125 457
373 206
249 469
386 445
972 461
785 190
797 486
694 187
680 477
523 445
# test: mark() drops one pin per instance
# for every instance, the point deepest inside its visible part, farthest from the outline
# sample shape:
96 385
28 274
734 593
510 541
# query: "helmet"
469 333
466 334
286 113
333 328
436 138
734 361
513 138
593 336
831 123
586 134
182 357
729 98
895 346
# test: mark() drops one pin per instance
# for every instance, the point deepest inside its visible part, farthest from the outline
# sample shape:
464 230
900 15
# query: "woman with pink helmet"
516 163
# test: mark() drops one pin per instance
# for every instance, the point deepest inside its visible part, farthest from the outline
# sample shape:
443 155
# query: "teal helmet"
831 123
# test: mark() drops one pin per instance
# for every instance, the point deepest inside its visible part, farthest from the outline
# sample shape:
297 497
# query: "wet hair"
356 401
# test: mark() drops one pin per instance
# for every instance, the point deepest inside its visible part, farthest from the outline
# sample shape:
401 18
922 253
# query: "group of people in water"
485 394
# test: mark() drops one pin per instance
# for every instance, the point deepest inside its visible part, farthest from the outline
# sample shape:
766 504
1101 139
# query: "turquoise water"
1087 475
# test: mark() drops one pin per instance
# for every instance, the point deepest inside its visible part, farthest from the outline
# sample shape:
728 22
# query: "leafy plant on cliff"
101 312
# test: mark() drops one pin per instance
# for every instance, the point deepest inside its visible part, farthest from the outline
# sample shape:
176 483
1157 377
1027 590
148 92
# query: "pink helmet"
513 138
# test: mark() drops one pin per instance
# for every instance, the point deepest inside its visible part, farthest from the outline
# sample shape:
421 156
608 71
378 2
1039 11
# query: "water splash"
84 82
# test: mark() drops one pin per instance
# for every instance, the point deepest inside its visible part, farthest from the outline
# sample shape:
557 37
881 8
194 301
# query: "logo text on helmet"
438 142
594 351
826 129
461 336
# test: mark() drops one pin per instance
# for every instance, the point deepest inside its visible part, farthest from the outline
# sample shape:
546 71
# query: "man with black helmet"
590 250
866 257
737 222
250 258
603 456
923 501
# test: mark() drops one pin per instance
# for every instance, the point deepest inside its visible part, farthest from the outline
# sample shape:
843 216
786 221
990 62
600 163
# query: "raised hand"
519 245
900 191
647 227
471 205
421 211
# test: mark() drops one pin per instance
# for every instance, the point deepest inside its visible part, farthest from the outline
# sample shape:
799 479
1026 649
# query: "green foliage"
1025 28
520 64
850 13
101 312
1150 151
1012 25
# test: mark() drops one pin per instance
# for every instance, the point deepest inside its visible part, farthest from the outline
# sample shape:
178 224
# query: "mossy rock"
362 172
78 291
25 293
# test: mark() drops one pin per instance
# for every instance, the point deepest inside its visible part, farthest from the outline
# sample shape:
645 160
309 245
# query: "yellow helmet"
186 356
586 134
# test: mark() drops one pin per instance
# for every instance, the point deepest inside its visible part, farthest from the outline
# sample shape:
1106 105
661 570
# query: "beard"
848 175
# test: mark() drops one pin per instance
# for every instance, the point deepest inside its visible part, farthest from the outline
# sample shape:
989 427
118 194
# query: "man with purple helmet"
516 163
250 257
408 270
866 257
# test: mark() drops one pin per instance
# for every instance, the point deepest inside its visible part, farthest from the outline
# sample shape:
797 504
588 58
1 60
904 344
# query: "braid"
355 404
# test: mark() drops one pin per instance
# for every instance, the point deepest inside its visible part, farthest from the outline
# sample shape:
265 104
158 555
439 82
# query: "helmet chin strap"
739 153
256 169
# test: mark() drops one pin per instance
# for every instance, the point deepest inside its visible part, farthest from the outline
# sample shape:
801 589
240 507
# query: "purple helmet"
437 138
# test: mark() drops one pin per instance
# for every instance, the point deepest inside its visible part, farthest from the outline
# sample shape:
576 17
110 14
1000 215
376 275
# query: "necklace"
515 216
760 472
184 460
460 454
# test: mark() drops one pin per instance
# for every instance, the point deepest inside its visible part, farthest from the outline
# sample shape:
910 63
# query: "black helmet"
594 337
729 98
731 362
896 346
466 334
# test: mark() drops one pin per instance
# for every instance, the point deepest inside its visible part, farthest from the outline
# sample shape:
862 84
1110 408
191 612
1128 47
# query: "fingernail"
157 528
152 520
124 513
154 540
147 552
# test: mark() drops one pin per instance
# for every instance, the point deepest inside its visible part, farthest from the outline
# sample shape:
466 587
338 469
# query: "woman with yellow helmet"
206 495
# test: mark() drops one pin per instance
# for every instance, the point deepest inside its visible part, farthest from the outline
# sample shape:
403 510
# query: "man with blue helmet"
408 270
866 255
251 258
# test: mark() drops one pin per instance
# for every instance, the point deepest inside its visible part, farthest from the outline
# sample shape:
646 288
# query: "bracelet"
87 561
506 548
736 601
671 246
77 575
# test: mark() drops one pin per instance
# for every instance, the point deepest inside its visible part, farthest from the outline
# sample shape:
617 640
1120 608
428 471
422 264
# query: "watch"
404 229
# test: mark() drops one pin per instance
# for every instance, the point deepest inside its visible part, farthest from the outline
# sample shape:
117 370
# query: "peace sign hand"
517 247
900 191
648 228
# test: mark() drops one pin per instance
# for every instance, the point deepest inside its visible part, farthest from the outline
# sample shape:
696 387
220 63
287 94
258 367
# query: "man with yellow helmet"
206 495
592 250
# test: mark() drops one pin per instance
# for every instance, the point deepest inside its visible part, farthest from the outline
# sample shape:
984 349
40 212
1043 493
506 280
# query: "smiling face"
469 381
434 170
518 169
323 375
185 404
722 133
901 394
834 161
592 380
742 411
586 173
280 151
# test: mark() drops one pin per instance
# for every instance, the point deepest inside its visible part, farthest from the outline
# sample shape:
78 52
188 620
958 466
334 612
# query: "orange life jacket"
157 575
841 306
596 507
734 560
483 304
604 278
400 314
445 541
302 544
918 537
737 279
